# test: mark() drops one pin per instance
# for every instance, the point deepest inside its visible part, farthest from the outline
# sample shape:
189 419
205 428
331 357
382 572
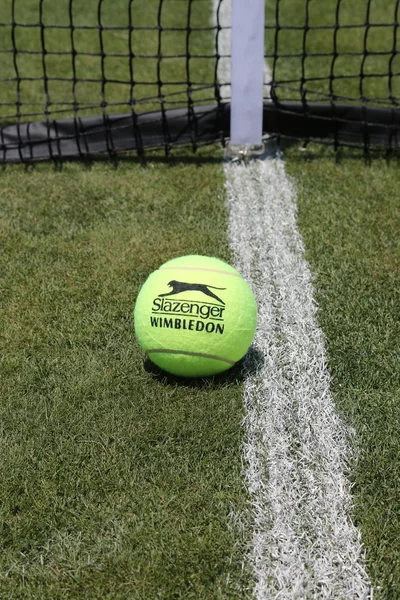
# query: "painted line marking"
297 449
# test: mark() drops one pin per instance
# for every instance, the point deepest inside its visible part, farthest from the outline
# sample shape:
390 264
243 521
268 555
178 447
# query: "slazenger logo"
185 313
181 286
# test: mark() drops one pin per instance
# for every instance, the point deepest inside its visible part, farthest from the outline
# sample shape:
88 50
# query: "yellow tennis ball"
195 316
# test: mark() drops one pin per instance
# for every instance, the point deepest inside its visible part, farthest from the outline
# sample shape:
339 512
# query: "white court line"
297 449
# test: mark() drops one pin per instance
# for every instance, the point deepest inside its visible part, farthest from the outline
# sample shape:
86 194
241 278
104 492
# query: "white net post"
247 76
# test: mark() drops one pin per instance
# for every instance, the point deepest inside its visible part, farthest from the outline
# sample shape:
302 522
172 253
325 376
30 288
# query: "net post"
247 78
245 152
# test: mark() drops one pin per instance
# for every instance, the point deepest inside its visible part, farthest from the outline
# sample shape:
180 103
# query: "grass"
116 482
349 215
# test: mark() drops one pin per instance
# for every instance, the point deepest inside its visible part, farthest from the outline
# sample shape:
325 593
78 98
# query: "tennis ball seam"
201 269
187 353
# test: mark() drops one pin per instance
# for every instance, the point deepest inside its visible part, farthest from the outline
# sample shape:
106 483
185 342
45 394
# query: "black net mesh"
69 56
80 77
334 51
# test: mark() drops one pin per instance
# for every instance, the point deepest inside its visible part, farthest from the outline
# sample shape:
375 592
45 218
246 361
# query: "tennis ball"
195 316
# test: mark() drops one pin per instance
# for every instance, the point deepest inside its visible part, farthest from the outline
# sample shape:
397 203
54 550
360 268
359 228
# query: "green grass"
349 215
116 481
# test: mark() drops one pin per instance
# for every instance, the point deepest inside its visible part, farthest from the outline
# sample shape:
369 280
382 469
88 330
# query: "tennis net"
82 77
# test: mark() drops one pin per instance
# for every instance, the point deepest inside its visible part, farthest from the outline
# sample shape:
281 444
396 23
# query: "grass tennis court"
349 214
116 482
120 482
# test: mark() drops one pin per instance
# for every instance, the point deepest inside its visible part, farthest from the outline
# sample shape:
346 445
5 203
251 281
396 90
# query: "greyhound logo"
180 286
